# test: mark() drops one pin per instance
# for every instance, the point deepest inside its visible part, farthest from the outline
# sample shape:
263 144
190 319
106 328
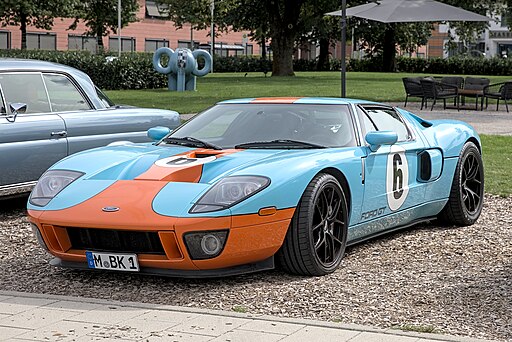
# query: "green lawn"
497 150
216 87
497 154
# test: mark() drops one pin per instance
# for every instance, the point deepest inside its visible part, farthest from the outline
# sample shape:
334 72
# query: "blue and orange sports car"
253 183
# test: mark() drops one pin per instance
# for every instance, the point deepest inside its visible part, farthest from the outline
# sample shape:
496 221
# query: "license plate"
112 261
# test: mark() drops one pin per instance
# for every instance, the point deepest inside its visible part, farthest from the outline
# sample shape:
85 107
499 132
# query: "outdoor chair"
412 88
436 90
454 81
498 91
474 87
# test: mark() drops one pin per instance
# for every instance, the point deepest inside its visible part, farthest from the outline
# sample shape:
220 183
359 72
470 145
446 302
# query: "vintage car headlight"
50 184
228 192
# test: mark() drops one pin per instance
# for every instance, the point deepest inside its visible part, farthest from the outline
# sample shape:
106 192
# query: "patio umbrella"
398 11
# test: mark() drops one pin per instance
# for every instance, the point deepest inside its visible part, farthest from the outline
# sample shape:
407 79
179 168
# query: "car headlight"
50 184
230 191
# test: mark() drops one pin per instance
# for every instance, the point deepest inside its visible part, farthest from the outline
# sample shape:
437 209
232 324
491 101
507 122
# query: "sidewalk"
36 317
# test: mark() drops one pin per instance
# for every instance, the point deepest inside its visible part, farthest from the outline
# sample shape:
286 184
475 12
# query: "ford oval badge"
110 209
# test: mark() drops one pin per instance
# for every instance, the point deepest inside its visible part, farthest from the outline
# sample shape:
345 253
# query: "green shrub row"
135 70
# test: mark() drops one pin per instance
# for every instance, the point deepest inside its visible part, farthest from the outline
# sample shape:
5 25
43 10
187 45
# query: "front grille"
115 240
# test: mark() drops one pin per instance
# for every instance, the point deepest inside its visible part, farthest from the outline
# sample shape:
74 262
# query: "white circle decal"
183 161
397 177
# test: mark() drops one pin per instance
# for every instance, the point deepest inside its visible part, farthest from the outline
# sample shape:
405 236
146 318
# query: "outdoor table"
476 93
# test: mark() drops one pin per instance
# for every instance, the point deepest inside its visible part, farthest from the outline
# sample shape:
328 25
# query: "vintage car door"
30 142
391 172
88 127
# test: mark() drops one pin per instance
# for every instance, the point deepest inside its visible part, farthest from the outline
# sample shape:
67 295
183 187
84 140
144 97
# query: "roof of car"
7 64
295 100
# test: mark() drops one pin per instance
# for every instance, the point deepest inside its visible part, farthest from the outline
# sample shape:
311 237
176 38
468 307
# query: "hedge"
135 70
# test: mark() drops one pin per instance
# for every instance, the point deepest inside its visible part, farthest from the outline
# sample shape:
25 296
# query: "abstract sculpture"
182 67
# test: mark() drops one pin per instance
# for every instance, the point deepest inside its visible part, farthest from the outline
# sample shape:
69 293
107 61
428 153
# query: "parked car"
250 182
49 111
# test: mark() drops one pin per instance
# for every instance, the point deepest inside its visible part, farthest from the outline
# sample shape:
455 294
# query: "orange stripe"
284 100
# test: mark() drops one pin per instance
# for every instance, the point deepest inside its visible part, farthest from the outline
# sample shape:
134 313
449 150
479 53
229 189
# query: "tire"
316 239
466 195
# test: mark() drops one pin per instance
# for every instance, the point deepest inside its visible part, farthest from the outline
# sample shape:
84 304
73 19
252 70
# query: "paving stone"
19 304
108 314
8 333
168 316
35 318
245 336
173 336
61 331
2 298
73 306
373 337
209 325
317 334
272 327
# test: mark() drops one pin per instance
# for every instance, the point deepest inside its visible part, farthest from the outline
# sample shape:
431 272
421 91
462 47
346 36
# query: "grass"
239 308
384 87
418 328
497 155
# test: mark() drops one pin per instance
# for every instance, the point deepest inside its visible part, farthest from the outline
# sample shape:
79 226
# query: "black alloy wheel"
316 239
467 192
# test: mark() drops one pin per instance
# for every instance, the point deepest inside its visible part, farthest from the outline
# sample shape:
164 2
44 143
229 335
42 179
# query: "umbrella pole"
343 47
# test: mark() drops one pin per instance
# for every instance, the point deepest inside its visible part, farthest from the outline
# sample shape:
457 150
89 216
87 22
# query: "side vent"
425 166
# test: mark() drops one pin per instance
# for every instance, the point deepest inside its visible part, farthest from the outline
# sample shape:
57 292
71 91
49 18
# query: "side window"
388 120
63 94
368 125
104 98
25 88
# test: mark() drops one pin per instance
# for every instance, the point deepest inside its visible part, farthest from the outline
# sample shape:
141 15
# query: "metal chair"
456 81
412 88
498 91
437 90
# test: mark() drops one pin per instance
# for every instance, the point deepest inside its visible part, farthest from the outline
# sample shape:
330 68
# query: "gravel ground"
451 280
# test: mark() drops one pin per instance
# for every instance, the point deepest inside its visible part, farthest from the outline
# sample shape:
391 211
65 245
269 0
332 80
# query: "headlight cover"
50 184
228 192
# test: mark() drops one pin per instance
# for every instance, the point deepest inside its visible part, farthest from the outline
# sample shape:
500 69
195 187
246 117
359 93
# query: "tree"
100 16
39 13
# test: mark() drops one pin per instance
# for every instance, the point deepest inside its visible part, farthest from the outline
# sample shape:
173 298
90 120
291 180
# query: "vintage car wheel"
317 236
466 196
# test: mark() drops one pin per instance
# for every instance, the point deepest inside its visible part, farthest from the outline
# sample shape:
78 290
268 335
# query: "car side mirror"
158 133
377 138
16 108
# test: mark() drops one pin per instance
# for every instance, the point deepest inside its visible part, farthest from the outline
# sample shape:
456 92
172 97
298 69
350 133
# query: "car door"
30 142
86 126
391 172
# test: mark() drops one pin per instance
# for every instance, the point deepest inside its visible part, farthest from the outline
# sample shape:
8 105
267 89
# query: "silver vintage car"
49 111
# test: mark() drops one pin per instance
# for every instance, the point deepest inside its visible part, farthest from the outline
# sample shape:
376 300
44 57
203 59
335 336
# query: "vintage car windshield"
231 125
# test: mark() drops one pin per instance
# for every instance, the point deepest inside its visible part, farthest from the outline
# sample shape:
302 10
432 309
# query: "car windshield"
271 126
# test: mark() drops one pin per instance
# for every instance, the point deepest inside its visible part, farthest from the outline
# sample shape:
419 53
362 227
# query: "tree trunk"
389 49
23 29
323 58
263 47
99 40
282 50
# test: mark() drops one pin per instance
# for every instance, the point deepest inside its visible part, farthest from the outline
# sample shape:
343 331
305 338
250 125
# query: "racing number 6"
398 177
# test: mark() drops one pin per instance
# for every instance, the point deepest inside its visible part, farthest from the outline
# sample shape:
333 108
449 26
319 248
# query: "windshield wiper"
191 142
279 143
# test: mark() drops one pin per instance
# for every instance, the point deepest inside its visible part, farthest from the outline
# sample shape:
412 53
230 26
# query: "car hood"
184 174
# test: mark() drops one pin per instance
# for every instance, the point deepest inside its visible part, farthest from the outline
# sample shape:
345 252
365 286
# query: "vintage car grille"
115 240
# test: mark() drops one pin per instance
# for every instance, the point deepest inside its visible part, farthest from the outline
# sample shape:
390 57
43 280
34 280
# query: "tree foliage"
100 16
38 13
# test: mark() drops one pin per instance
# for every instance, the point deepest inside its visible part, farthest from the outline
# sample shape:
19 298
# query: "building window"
186 45
155 10
152 45
5 40
41 41
127 44
249 49
82 43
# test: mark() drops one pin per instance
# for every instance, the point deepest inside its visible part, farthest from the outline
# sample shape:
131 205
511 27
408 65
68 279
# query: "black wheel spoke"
320 225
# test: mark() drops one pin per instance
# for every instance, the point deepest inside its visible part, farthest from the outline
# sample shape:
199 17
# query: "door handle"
59 134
